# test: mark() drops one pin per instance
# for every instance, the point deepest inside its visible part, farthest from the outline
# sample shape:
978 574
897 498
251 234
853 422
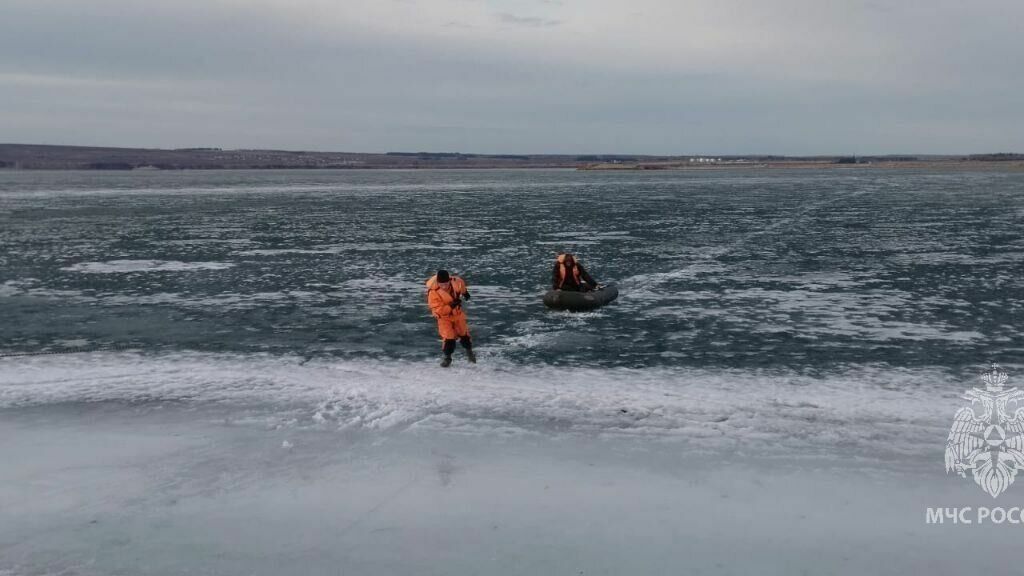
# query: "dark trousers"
449 345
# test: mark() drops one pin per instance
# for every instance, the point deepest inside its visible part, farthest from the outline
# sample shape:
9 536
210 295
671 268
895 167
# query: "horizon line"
211 148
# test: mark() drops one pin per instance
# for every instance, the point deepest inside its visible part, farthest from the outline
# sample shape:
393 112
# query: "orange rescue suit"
451 320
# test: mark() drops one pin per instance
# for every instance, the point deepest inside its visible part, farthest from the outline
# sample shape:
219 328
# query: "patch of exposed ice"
354 247
868 410
126 266
10 288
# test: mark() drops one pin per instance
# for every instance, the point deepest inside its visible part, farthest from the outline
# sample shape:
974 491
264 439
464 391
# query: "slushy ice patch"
126 266
866 411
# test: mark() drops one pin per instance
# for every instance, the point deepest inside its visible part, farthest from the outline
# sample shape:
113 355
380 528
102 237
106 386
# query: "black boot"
468 345
446 361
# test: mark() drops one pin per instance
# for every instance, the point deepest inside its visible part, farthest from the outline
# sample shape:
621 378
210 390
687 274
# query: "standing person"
444 296
569 275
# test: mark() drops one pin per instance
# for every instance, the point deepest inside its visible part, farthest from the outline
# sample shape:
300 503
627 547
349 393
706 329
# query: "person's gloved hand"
466 295
456 303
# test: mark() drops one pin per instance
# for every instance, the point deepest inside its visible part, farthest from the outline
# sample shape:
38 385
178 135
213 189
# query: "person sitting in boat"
569 275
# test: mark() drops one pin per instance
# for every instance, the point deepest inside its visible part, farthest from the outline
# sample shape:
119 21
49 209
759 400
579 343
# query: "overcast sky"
517 76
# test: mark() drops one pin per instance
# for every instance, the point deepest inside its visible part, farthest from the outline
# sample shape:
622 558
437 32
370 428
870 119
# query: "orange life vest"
563 273
440 300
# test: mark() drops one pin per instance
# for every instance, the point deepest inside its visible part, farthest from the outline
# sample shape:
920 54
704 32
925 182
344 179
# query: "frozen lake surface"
108 489
253 386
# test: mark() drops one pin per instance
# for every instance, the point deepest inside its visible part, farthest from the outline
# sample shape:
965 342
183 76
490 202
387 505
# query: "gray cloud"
714 76
531 21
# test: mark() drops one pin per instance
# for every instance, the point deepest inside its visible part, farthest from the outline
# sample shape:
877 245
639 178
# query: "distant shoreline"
952 165
48 157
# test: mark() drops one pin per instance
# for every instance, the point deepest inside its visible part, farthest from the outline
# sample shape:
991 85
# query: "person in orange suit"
445 294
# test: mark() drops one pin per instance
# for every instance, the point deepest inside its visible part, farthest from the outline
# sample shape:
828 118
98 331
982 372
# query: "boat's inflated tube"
580 301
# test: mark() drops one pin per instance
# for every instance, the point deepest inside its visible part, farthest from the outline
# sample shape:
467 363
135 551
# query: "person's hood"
433 284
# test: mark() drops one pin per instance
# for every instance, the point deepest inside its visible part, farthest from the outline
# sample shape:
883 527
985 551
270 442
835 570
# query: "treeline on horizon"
438 155
55 157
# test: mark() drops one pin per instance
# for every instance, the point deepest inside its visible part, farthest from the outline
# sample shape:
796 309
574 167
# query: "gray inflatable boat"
580 301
